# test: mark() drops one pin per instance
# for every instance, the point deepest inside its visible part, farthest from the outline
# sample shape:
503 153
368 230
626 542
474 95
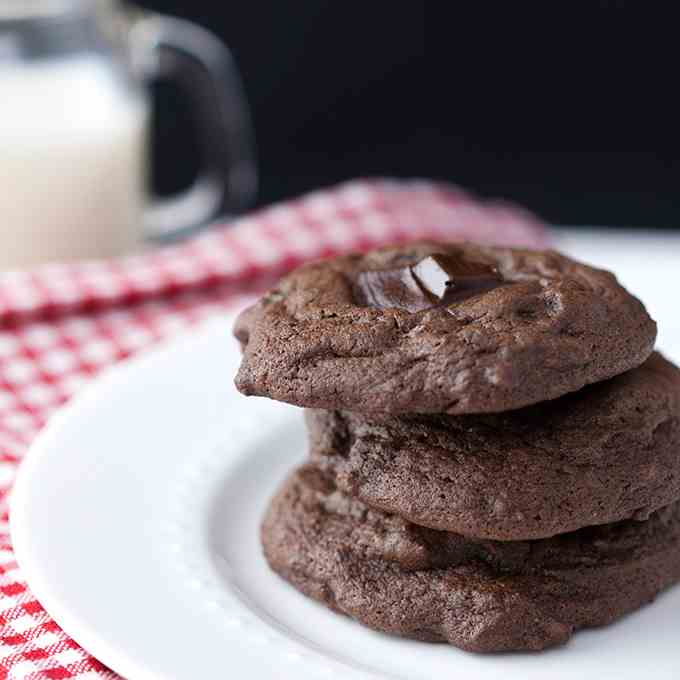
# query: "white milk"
72 162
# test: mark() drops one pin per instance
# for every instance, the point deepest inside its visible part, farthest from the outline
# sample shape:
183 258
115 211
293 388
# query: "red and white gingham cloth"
61 324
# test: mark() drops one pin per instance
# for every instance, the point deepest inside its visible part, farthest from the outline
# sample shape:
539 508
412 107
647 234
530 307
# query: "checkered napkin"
61 324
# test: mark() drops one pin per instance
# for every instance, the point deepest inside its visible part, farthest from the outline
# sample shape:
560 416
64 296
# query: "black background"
570 109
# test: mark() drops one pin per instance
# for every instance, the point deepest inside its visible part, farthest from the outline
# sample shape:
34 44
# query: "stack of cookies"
494 445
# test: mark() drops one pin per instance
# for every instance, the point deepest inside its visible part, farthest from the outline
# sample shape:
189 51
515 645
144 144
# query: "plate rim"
116 659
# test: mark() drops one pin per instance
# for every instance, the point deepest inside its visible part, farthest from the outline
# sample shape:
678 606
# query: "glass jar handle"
165 47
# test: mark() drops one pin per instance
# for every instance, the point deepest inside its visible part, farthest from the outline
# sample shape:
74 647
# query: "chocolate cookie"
440 328
359 562
607 453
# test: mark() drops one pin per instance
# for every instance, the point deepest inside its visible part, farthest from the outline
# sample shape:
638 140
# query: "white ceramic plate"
135 519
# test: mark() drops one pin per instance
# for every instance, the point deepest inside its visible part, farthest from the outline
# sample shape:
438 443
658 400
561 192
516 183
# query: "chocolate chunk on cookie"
393 578
440 328
606 453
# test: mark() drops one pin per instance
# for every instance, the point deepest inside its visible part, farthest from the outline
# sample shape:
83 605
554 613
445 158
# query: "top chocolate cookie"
440 328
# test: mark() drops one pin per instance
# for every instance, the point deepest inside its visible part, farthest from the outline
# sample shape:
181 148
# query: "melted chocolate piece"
436 280
391 288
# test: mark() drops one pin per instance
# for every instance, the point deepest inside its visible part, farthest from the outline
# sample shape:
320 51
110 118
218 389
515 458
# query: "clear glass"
74 118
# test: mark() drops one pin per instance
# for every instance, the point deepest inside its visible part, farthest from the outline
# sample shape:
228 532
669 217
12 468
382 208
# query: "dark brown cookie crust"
344 556
607 453
559 326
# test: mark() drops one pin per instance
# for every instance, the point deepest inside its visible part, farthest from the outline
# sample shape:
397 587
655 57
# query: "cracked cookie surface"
440 328
606 453
478 595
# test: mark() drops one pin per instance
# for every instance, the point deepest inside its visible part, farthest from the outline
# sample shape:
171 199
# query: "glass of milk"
74 127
